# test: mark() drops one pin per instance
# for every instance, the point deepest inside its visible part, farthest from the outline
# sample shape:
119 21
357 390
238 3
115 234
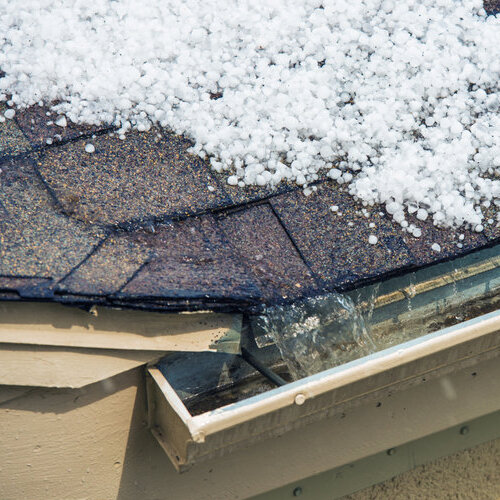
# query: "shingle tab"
12 140
492 222
192 260
26 287
335 244
107 269
448 240
41 129
35 238
143 177
268 253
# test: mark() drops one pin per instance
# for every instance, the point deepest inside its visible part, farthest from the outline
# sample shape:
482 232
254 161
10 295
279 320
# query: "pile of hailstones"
398 100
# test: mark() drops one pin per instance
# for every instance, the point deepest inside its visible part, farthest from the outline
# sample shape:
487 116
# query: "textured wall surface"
471 474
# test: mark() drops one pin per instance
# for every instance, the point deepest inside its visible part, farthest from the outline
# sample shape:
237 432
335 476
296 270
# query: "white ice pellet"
334 208
211 188
10 113
436 247
422 214
417 232
393 207
61 122
89 148
399 217
397 101
372 239
334 173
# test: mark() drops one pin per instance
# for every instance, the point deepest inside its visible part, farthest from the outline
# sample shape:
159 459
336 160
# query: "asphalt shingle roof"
143 223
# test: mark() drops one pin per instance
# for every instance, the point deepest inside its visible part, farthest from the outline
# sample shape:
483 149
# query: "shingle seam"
9 157
236 207
133 275
319 282
133 225
94 250
67 140
49 190
237 253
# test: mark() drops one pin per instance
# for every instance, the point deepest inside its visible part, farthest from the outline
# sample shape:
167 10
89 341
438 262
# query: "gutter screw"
300 399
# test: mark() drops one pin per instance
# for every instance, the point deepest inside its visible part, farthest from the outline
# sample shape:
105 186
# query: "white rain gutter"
311 398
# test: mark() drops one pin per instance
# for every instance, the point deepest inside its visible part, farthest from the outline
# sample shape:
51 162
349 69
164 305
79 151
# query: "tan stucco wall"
471 474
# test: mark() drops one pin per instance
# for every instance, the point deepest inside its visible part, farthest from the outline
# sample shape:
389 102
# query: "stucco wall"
93 442
471 474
